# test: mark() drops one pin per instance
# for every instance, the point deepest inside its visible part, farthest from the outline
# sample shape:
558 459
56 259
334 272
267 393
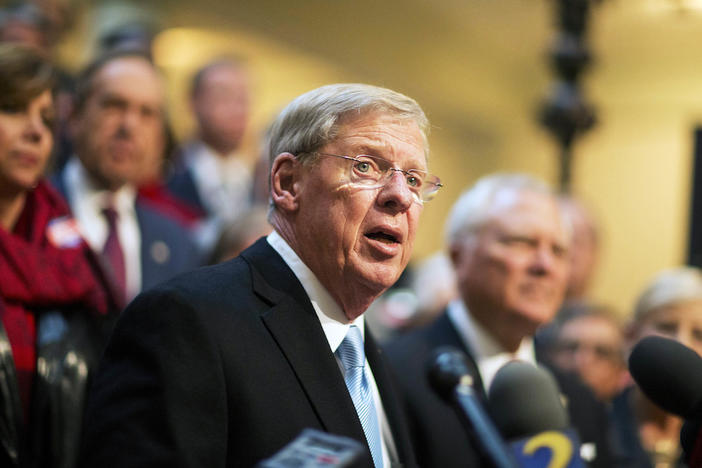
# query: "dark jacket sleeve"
159 397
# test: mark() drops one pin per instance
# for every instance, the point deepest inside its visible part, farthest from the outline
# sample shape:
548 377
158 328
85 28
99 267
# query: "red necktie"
112 250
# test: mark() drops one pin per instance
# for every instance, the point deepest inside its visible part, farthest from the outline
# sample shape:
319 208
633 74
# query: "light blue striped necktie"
353 358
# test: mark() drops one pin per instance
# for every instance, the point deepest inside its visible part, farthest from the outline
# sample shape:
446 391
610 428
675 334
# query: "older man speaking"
226 365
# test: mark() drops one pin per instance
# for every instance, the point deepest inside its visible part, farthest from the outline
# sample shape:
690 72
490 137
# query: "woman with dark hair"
55 303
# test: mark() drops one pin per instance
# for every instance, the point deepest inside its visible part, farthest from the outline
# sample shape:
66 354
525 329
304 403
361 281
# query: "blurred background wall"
479 68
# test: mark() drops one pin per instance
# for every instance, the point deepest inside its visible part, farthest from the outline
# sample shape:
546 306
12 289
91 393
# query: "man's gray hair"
668 288
472 209
312 120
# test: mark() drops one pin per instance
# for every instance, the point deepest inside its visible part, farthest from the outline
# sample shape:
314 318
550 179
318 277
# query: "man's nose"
130 120
396 193
544 260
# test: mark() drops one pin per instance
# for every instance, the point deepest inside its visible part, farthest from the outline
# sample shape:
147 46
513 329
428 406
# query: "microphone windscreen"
525 400
670 374
445 368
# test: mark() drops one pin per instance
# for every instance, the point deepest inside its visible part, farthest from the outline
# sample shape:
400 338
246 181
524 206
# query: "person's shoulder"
153 223
208 288
413 347
208 280
151 216
424 338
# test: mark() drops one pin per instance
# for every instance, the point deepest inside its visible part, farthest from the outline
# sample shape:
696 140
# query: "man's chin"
381 277
536 317
114 180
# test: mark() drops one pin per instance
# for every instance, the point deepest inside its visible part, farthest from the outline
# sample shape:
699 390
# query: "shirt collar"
331 316
84 191
200 154
489 354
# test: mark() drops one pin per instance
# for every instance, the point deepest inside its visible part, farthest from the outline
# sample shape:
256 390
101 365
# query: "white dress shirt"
87 202
335 326
222 182
488 353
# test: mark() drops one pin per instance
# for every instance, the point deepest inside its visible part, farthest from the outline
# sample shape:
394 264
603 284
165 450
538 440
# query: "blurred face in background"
512 273
25 143
681 322
584 249
221 106
592 346
121 123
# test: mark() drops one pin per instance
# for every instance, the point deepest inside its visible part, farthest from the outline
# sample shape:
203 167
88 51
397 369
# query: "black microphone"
670 374
448 374
525 403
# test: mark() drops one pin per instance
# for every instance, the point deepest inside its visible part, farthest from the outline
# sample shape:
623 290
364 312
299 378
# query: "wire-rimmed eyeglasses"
375 172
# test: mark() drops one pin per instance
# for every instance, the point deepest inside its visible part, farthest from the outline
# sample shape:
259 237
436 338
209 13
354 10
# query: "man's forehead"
514 209
382 134
227 73
117 76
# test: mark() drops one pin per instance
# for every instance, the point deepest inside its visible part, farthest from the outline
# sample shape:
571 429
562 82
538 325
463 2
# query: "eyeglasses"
375 172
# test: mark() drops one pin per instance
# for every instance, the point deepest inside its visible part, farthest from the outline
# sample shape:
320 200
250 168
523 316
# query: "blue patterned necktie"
353 358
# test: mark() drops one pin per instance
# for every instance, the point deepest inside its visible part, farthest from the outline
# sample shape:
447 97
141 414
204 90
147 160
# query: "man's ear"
285 177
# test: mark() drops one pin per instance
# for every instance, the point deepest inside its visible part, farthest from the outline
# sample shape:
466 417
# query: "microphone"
448 375
670 374
316 449
525 403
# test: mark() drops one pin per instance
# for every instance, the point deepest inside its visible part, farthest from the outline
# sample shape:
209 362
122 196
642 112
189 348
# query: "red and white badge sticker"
63 233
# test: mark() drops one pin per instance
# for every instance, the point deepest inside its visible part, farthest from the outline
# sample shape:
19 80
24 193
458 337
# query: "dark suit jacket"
439 438
181 184
223 367
166 246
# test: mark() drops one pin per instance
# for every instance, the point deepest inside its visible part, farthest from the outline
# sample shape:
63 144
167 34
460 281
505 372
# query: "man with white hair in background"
508 244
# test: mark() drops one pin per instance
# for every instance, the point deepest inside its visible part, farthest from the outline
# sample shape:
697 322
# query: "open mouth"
382 237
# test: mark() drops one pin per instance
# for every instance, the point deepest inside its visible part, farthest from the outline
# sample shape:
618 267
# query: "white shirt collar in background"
488 353
223 183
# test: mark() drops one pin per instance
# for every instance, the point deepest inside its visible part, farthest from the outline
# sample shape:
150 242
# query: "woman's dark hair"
24 74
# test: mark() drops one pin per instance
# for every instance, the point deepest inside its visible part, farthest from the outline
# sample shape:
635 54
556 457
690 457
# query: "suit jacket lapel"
292 322
444 333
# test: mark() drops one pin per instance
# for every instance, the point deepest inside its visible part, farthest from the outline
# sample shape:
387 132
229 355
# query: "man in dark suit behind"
225 365
117 122
508 244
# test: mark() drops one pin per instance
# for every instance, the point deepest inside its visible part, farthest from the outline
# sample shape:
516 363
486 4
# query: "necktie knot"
351 351
110 215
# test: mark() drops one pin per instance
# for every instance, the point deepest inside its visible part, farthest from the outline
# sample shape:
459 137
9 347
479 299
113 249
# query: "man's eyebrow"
378 151
369 150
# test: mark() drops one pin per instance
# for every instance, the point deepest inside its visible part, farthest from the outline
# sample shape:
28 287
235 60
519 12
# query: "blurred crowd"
99 202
